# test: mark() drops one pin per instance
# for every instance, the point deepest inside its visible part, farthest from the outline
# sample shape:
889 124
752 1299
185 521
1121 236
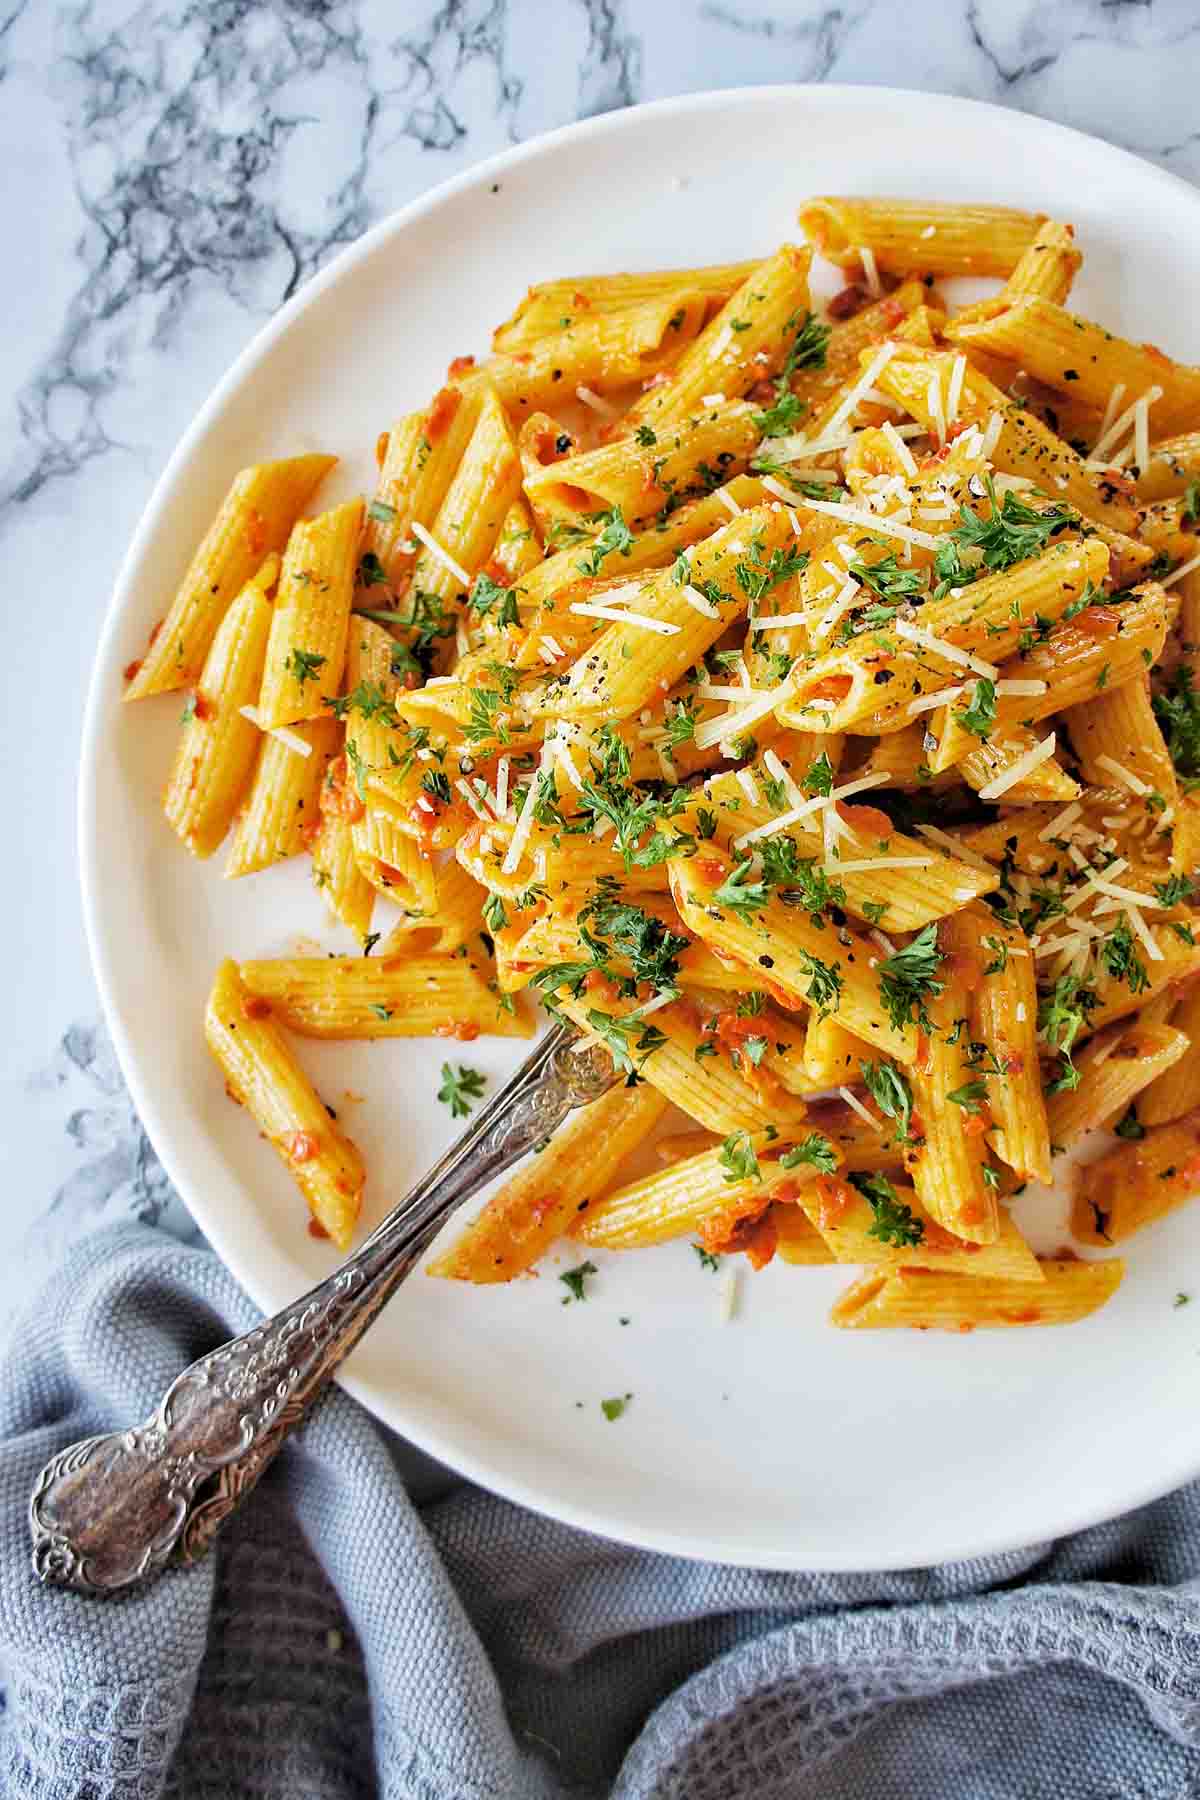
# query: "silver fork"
112 1510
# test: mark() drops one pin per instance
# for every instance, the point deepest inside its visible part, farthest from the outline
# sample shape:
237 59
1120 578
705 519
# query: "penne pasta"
678 1200
555 1189
420 456
921 1300
1137 1183
307 647
552 306
904 235
218 745
384 996
1063 350
262 1075
281 816
885 1223
1175 1090
1114 1068
949 1161
747 341
255 519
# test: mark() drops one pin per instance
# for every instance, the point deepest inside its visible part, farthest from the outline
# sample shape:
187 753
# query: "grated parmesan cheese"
953 847
928 702
471 800
1143 931
855 1104
933 400
1115 396
597 403
821 803
1125 776
596 609
870 269
1116 431
855 515
698 603
951 652
291 740
1179 573
731 725
439 555
900 449
776 770
1016 772
885 862
849 404
781 622
1059 824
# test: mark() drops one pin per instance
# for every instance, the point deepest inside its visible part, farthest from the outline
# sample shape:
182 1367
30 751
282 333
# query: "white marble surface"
172 172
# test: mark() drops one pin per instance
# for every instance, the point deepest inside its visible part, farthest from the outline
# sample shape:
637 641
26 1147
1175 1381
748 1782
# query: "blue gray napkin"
367 1627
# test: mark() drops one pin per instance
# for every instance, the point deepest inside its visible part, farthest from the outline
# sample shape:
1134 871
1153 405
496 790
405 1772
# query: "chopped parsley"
612 1409
623 1037
738 895
494 915
971 1097
614 537
781 418
737 1158
460 1088
650 947
909 977
368 700
707 1259
824 983
574 1279
1129 1125
1118 954
304 665
894 1222
819 779
1062 1015
1177 710
980 715
808 349
488 596
815 1150
1174 890
887 578
757 577
482 716
891 1093
436 783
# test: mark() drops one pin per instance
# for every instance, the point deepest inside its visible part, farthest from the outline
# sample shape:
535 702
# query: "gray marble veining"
172 172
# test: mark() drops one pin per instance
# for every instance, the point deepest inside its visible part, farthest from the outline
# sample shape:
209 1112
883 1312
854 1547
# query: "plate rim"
469 1465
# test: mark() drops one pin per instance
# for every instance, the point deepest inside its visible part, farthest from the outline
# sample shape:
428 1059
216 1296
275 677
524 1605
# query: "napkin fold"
369 1626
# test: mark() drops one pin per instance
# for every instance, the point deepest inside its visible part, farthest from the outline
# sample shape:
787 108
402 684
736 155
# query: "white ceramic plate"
774 1440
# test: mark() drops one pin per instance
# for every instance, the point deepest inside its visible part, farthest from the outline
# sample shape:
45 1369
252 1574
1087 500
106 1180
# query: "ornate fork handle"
112 1510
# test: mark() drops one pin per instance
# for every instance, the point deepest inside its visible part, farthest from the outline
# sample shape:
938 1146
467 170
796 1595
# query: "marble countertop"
174 172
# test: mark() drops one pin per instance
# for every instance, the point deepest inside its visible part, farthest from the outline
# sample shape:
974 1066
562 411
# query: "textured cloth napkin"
348 1639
